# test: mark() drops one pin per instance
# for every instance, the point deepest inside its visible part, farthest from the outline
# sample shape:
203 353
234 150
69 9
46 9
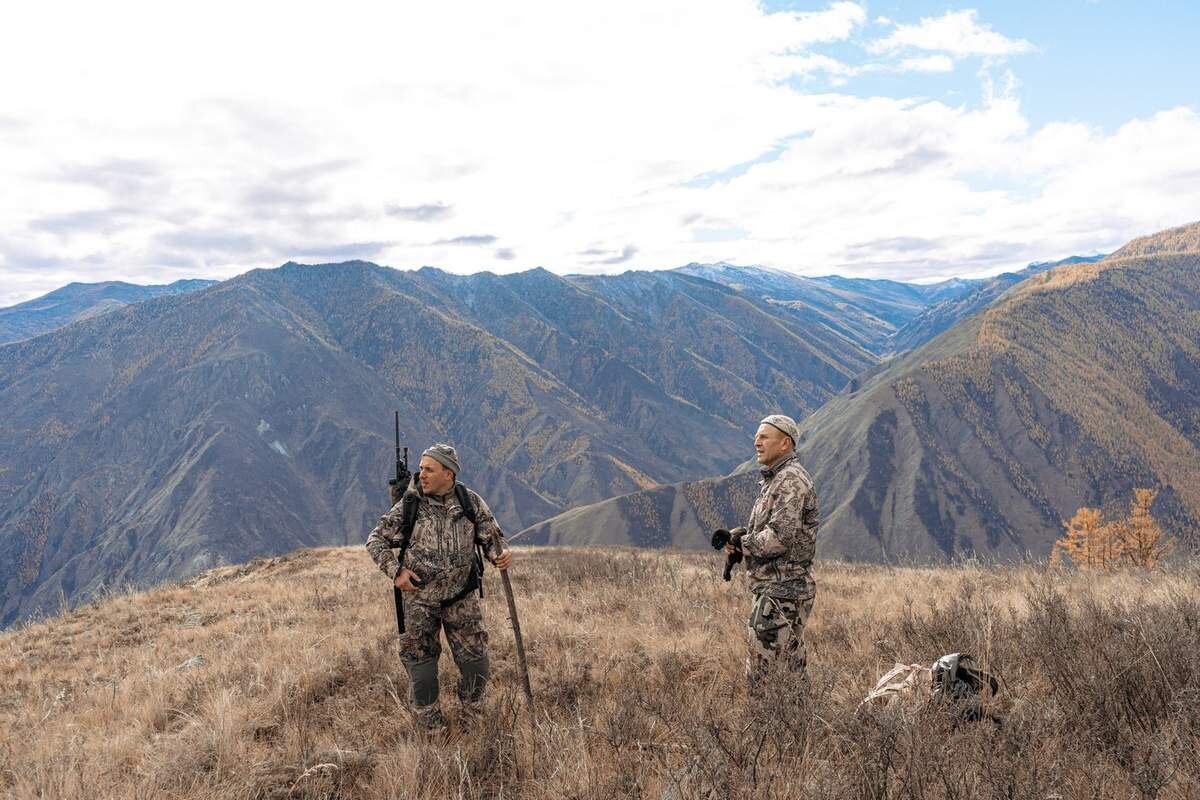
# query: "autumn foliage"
1137 540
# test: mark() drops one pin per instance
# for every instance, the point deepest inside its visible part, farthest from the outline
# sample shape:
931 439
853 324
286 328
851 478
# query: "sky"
149 142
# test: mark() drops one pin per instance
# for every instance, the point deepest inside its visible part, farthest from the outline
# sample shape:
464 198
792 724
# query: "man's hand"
407 580
504 559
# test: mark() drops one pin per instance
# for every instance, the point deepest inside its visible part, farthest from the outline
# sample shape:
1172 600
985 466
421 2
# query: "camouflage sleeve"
812 518
791 525
487 531
383 538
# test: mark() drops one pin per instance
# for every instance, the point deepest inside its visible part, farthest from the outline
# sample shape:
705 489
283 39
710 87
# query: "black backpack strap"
408 520
464 500
476 579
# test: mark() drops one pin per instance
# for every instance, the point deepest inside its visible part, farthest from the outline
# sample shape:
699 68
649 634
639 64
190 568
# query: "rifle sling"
398 596
471 585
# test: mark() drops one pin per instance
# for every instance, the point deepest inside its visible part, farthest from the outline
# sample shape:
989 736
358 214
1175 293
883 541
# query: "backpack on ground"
953 680
956 681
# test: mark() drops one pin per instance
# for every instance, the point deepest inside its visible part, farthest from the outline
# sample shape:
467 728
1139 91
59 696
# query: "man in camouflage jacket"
778 545
437 566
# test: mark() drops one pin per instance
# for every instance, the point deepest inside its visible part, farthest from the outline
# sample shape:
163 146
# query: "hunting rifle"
400 483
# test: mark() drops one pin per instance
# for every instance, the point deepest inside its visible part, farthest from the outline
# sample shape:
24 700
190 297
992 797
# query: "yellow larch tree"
1143 541
1137 540
1087 541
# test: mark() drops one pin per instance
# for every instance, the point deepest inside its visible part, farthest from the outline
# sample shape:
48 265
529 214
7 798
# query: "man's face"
435 479
770 443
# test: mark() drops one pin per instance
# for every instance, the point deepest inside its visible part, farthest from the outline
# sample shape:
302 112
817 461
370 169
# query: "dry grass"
636 662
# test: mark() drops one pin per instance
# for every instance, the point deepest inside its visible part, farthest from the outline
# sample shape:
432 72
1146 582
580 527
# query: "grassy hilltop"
280 679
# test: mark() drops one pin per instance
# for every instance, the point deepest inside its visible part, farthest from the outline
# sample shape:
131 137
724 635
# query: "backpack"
952 680
969 689
408 521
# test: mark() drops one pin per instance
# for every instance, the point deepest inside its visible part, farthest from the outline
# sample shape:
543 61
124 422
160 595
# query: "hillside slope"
280 679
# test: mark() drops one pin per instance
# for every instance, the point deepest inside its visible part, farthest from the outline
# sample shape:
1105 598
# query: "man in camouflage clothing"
778 545
437 566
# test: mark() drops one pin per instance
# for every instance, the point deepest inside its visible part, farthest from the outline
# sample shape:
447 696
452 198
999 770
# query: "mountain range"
1072 388
253 416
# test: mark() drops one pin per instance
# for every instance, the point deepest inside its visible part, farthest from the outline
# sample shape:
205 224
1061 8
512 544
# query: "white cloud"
956 32
269 130
808 64
811 65
936 63
204 143
888 188
790 31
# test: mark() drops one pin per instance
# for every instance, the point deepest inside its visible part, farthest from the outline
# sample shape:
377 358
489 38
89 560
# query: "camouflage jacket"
780 541
442 548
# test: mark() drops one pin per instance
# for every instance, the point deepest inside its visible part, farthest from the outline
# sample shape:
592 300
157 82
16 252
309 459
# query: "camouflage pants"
775 630
420 647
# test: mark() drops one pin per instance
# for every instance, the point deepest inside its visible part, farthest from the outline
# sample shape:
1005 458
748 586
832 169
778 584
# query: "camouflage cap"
783 423
445 455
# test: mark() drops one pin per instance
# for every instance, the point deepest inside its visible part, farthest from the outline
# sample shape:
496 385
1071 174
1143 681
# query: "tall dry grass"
636 666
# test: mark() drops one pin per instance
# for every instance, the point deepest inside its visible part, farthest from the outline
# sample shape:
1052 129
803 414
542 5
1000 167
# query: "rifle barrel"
399 474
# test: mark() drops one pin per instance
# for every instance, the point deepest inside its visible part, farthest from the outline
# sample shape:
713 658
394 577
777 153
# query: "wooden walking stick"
516 626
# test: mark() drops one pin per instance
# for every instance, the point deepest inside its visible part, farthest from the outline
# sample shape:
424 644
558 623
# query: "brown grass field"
636 662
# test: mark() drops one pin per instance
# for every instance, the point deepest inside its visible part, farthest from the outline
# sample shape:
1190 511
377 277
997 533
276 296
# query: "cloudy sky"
142 142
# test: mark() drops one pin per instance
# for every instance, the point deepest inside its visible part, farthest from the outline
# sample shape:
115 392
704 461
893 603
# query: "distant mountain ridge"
78 301
1072 388
866 312
952 310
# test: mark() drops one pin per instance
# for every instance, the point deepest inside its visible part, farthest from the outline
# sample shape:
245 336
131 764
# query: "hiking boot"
470 715
438 734
429 722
